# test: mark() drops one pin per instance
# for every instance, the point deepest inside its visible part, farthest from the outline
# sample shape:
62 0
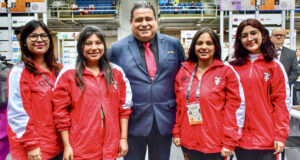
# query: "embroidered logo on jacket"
217 80
115 84
183 78
267 76
42 83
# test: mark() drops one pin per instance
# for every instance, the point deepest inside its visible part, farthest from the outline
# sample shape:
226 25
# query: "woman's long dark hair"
192 53
27 57
81 60
267 47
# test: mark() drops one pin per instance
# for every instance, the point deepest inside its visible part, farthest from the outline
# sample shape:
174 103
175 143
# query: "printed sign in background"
67 35
68 42
265 19
263 4
24 6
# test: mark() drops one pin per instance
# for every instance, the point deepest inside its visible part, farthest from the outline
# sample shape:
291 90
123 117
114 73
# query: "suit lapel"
284 59
281 58
134 51
283 55
161 53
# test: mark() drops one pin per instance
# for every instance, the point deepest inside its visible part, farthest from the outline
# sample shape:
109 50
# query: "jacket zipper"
251 68
101 106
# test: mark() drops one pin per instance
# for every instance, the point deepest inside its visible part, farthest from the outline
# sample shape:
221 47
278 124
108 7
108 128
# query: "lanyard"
47 80
190 85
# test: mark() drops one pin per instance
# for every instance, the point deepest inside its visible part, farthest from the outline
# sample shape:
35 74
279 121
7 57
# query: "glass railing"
62 12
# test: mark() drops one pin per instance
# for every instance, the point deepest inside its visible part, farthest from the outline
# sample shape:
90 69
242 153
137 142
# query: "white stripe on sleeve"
16 114
240 113
65 69
128 100
288 101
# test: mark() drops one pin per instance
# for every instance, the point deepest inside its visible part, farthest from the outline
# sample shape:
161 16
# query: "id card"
194 113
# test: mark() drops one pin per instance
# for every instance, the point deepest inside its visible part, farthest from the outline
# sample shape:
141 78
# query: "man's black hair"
142 4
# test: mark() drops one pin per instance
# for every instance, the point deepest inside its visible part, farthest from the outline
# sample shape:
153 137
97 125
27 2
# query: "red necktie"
150 60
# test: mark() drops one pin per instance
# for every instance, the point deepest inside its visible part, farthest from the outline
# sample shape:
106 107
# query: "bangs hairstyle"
192 53
103 62
28 58
267 47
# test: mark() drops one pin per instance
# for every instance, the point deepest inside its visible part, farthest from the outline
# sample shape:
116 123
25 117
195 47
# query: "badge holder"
194 113
193 109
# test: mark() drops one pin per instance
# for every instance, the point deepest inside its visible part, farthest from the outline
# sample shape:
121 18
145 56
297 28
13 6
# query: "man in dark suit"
298 55
150 61
298 60
286 56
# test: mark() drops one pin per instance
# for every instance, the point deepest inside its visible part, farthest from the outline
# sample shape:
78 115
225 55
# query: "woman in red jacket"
31 131
266 93
92 101
210 102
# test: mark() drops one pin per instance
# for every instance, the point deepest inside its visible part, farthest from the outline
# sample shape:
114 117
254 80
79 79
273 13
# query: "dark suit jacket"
150 98
298 67
3 75
289 60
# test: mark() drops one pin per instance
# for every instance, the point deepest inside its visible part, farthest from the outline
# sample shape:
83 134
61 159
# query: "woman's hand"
176 141
68 153
35 154
278 146
123 148
226 152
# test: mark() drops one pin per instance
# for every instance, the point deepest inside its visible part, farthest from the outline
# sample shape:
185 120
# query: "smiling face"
251 39
38 42
205 47
93 49
143 24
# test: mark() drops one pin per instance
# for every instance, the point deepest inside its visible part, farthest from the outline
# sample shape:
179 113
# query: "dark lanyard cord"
47 80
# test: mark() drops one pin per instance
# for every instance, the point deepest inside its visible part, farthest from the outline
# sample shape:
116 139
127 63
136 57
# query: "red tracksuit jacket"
29 114
80 114
222 106
267 103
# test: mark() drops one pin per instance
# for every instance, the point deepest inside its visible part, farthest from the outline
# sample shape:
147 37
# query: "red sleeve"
281 102
19 108
234 110
62 102
125 96
176 128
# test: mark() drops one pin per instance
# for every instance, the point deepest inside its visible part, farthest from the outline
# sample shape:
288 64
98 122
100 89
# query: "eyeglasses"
34 37
252 34
278 35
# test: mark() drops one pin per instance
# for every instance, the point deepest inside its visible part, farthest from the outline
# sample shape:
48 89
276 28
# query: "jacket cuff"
176 136
125 113
176 131
60 129
229 147
124 116
31 147
280 139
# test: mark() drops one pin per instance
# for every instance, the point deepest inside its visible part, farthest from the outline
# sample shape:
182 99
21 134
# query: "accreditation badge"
194 113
